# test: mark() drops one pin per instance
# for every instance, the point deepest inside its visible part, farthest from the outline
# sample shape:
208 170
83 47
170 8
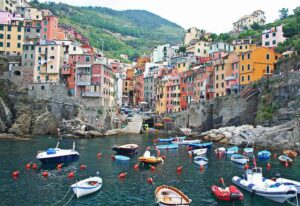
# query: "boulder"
45 124
22 125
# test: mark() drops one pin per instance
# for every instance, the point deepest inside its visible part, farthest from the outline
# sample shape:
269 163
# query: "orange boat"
170 196
147 158
290 153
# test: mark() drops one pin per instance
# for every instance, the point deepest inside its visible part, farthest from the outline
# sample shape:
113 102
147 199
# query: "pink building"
271 37
232 74
49 26
173 91
8 18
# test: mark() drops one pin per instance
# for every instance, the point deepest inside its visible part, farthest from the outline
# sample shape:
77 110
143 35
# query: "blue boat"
239 159
232 150
248 150
57 155
202 145
167 146
170 139
121 158
264 155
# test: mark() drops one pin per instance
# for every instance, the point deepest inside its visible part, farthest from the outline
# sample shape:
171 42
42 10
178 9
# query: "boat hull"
81 190
59 159
230 194
125 151
169 146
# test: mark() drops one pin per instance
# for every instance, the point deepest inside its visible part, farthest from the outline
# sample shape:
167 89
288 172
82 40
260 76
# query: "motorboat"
202 145
254 182
239 159
186 142
127 149
248 150
264 155
285 160
198 152
232 150
87 186
170 139
220 151
167 146
200 160
58 155
148 159
121 158
290 153
288 182
170 196
230 193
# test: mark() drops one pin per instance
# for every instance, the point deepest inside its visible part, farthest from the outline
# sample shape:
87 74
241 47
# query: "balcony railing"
91 94
228 78
83 83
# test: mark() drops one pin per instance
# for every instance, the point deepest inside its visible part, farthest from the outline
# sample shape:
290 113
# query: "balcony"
83 83
91 94
211 90
66 71
229 78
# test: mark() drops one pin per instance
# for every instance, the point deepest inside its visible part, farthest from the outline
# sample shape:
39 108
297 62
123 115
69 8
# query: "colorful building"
243 45
49 26
173 91
256 64
232 74
246 21
128 87
138 80
8 5
199 48
271 37
219 46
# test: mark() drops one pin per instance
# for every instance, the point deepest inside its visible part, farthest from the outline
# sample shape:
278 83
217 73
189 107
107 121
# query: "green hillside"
132 32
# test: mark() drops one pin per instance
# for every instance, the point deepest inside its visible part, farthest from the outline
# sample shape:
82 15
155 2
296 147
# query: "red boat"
220 151
230 193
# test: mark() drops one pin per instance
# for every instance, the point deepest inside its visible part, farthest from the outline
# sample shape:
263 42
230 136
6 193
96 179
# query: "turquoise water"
31 188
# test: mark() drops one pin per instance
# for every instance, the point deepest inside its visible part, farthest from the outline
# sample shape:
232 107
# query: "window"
267 43
242 67
274 42
248 55
268 56
8 44
87 58
248 67
38 68
222 85
267 36
19 29
242 56
52 48
45 29
8 28
1 27
19 37
8 36
1 44
243 79
217 77
268 69
246 47
241 47
1 36
25 56
222 66
45 36
198 50
274 34
45 22
51 67
222 76
40 49
19 45
42 87
217 86
248 77
52 57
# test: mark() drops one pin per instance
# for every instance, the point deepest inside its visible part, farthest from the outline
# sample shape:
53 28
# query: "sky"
211 15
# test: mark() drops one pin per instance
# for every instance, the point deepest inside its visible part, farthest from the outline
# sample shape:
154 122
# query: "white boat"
186 131
87 186
170 196
186 142
200 160
254 182
220 151
232 150
240 159
198 152
58 155
289 182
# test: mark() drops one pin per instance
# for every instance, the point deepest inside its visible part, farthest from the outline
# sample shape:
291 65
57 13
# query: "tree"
290 29
182 49
255 26
213 37
283 13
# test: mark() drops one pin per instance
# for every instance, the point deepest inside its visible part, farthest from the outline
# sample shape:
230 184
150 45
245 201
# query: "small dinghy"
239 159
248 150
220 151
289 183
230 193
186 131
200 160
232 150
255 183
186 142
285 160
167 146
170 139
200 146
198 152
290 153
264 155
170 196
87 186
121 158
148 159
127 149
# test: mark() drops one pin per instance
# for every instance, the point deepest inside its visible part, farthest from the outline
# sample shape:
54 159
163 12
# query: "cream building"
8 5
199 48
257 16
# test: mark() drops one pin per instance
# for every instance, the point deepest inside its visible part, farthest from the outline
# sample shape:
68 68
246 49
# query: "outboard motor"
234 196
277 175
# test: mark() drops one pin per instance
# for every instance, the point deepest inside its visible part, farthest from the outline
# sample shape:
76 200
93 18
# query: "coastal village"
199 94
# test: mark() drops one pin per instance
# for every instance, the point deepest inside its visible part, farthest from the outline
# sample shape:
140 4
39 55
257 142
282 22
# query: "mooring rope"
69 200
63 197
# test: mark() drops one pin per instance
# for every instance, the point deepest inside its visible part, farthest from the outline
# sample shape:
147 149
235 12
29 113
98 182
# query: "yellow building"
161 95
11 38
243 48
48 62
256 64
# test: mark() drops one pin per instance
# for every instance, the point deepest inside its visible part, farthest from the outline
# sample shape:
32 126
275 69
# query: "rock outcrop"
45 124
22 125
6 117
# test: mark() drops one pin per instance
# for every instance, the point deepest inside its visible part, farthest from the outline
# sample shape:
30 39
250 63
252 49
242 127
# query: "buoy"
155 140
152 168
113 157
275 156
246 167
59 166
34 166
164 157
268 166
221 180
99 155
286 164
82 167
179 169
150 180
136 166
45 174
122 175
190 155
158 152
27 166
70 175
15 173
201 167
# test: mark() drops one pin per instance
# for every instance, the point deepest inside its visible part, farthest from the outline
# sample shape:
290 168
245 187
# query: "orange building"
256 64
49 26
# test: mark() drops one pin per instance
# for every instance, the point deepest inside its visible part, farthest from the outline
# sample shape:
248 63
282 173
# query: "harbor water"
31 188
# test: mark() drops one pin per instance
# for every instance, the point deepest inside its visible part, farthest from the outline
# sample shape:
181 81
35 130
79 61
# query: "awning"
159 124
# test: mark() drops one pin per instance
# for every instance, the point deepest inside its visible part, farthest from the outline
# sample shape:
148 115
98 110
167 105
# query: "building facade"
246 21
273 36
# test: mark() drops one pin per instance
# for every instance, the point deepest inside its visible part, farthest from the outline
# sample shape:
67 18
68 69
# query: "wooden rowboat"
290 153
170 196
87 186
